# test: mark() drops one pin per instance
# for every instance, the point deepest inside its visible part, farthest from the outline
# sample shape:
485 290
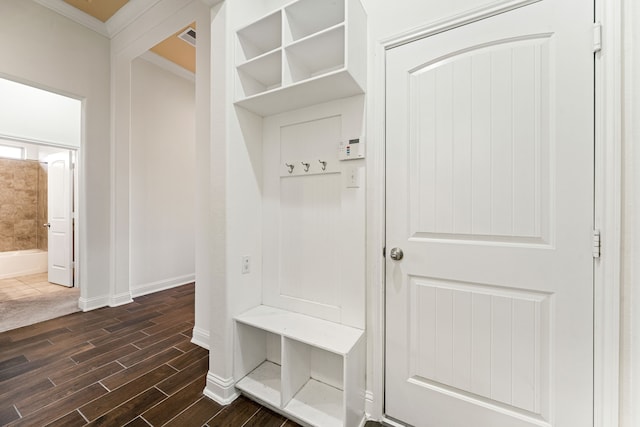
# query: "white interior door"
60 208
490 196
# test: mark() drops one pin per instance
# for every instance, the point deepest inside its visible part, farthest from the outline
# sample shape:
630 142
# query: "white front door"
489 180
60 208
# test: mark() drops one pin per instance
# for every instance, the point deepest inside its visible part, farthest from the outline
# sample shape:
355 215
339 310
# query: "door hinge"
596 244
597 37
384 252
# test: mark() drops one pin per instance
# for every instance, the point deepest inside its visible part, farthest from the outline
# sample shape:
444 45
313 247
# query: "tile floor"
33 285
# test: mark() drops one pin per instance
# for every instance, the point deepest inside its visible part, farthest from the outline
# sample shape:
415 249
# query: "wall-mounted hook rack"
292 167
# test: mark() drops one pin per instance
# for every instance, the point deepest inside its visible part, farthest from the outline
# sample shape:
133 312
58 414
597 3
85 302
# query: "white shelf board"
266 69
318 404
263 382
335 85
321 51
323 334
306 17
261 36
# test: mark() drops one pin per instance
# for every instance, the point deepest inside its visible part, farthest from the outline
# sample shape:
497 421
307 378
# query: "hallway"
128 365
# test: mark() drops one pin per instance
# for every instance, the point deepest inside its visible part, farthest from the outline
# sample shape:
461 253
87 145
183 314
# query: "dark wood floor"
132 365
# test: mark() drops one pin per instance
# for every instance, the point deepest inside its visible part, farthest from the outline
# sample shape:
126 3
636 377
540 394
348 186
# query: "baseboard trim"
161 285
120 299
368 404
88 304
200 337
220 390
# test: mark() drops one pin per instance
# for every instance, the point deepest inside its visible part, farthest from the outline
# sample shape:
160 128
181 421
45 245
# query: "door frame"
607 200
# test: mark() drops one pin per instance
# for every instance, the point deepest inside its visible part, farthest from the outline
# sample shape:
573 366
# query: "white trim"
369 405
376 234
131 11
120 299
200 337
76 15
167 65
161 285
392 422
88 304
608 204
220 390
451 22
630 289
608 208
118 22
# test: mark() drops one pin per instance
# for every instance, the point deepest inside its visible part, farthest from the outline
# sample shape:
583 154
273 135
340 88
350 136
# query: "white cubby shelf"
308 369
304 53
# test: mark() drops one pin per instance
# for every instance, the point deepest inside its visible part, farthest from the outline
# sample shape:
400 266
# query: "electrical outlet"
246 264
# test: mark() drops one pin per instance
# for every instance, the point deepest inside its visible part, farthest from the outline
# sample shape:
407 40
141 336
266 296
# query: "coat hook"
290 167
324 164
306 166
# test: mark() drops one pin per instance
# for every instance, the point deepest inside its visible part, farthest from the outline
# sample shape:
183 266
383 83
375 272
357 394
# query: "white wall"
30 113
41 48
162 179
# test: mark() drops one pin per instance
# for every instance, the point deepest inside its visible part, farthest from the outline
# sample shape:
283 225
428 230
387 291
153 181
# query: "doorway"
38 204
489 283
36 260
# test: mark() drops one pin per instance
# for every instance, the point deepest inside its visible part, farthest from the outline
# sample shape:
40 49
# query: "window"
11 152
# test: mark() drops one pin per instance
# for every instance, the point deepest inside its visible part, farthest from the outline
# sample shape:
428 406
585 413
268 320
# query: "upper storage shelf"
307 52
307 17
260 37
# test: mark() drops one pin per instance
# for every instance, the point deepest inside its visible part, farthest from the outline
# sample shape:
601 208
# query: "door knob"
48 225
396 254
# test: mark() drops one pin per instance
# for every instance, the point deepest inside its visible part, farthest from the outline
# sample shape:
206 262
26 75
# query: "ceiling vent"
189 35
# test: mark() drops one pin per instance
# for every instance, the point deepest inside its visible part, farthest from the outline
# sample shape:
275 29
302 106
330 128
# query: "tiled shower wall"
23 205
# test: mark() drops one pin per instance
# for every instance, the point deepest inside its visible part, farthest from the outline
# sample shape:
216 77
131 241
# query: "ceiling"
173 48
99 9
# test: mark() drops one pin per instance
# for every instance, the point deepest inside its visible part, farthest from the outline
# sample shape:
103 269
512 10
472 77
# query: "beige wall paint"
162 178
42 48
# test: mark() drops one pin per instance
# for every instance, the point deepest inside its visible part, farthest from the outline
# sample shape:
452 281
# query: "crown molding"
131 11
76 15
167 65
118 22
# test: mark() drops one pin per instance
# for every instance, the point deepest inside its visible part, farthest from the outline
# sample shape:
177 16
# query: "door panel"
481 137
490 196
60 207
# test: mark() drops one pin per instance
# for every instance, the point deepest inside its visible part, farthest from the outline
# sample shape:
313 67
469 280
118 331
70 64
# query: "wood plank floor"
132 365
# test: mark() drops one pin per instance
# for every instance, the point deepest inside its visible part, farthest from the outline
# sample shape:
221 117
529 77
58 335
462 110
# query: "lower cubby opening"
308 369
259 363
312 384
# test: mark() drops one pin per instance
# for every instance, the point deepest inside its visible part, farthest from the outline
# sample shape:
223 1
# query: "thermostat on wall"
351 149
